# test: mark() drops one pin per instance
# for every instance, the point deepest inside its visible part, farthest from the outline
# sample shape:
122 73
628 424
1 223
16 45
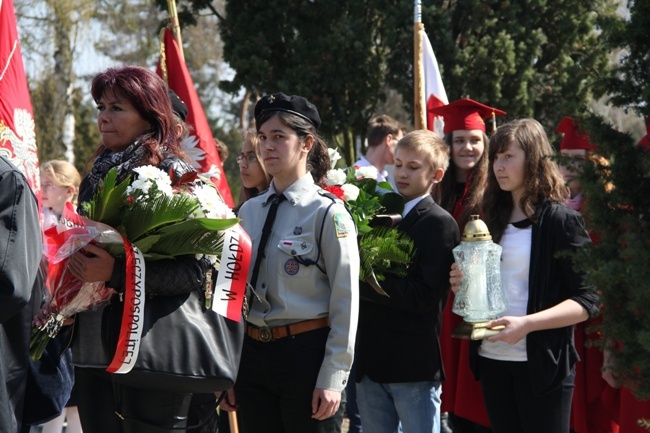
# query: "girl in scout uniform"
302 321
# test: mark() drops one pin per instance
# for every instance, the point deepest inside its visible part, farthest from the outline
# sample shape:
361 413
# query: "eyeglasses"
247 158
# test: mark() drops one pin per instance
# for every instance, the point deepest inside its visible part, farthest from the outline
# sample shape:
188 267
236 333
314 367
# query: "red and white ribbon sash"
128 343
230 289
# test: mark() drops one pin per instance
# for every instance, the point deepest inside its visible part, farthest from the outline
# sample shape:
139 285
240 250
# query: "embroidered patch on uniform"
341 225
297 231
291 266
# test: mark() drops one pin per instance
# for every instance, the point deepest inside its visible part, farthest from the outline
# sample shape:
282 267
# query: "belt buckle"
265 334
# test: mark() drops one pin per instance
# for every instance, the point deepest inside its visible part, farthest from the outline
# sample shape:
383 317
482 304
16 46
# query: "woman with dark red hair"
136 125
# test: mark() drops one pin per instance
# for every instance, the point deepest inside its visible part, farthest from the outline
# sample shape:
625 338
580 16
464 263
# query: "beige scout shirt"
290 292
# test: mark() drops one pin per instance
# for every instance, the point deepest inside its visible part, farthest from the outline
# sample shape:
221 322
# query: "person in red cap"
460 193
591 409
576 148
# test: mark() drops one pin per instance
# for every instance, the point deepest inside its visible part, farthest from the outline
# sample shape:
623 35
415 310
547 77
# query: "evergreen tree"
629 82
618 207
333 53
534 58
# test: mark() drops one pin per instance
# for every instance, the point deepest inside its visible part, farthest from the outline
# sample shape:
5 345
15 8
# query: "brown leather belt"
266 334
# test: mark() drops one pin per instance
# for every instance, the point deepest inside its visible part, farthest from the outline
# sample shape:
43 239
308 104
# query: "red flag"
434 90
17 136
200 145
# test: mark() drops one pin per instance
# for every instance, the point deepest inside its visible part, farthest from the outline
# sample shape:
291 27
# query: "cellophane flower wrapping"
65 294
381 249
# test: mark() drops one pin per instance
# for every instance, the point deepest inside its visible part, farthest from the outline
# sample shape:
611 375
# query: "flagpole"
419 118
175 25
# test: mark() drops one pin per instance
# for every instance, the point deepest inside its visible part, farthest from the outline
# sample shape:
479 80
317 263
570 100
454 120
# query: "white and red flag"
200 145
434 90
17 134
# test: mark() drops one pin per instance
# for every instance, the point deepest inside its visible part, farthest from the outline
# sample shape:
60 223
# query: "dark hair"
147 92
379 127
542 177
445 192
318 160
247 193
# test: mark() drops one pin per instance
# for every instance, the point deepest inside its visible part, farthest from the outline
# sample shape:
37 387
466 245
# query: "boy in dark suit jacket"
399 370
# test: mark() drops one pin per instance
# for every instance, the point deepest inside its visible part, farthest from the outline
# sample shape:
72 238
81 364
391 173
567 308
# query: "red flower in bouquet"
336 190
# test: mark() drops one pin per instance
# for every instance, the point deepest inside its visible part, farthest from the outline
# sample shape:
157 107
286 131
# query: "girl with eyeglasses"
253 175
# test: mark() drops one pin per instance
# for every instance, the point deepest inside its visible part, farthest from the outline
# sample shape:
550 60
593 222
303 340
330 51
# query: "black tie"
266 231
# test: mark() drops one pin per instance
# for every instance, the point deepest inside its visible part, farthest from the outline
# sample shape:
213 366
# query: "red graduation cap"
574 137
465 114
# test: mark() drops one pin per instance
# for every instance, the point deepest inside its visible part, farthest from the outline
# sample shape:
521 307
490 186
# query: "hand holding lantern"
481 297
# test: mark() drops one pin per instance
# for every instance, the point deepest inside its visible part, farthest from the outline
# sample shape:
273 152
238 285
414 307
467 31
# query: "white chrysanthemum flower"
334 156
140 186
335 177
211 203
350 192
369 172
148 175
165 188
151 172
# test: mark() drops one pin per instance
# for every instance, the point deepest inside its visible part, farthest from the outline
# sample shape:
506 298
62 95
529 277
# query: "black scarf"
125 161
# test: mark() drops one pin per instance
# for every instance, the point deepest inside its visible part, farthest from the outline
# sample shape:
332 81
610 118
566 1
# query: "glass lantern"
481 297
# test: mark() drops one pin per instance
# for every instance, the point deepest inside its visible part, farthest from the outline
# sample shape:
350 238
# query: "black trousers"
276 382
513 407
141 410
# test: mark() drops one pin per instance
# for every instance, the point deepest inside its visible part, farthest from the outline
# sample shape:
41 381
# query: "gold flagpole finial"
175 25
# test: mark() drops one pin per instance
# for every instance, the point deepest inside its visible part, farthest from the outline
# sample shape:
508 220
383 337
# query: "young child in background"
60 185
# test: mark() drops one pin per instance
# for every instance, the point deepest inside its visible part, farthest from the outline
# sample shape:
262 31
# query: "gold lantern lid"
475 230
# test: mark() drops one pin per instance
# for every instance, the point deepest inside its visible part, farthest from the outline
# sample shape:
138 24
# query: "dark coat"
398 337
20 256
552 280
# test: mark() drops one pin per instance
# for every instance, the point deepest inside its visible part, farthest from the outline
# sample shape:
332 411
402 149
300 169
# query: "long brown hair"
445 192
542 177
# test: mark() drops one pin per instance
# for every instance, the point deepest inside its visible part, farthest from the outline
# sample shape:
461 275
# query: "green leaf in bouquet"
363 227
194 236
107 202
385 186
146 217
382 250
145 243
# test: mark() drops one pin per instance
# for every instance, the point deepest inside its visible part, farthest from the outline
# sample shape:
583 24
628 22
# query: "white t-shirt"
515 268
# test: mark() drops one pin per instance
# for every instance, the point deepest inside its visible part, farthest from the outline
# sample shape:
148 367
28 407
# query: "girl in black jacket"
527 370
